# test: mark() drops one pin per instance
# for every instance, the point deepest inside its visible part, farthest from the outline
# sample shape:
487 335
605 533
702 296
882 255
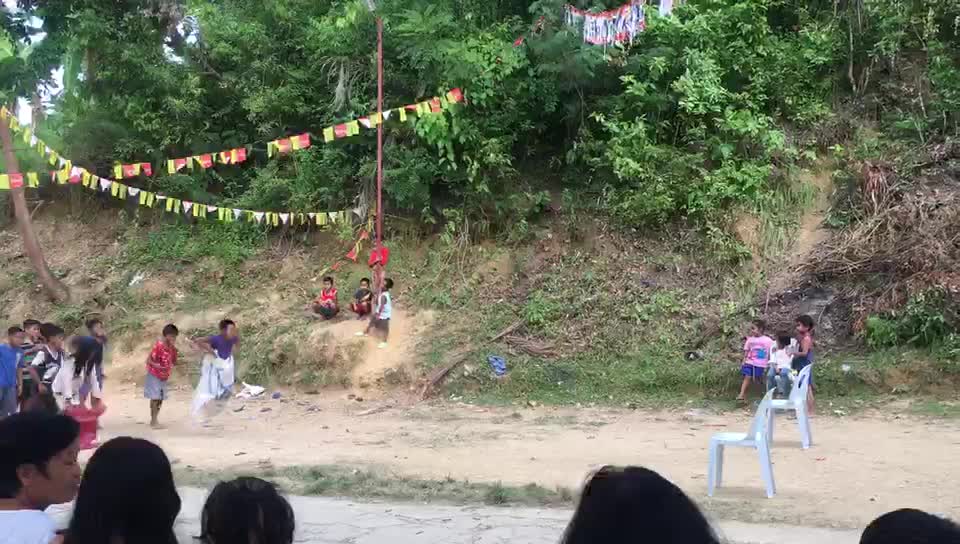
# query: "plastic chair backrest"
759 423
800 387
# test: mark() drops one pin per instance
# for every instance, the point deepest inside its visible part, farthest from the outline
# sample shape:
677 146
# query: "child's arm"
805 345
203 344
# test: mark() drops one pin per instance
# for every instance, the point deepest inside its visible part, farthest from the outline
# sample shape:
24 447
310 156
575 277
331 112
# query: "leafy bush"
925 321
172 243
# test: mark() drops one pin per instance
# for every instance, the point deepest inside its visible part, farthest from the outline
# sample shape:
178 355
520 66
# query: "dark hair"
910 526
365 280
14 330
91 323
171 329
806 321
246 510
49 330
760 324
84 350
226 323
328 279
630 504
783 339
27 323
31 438
127 491
387 284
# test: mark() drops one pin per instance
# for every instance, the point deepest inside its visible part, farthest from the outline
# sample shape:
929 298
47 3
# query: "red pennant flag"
284 145
147 169
240 154
411 107
455 95
303 140
16 181
435 105
178 164
75 177
340 131
206 160
130 170
224 157
352 255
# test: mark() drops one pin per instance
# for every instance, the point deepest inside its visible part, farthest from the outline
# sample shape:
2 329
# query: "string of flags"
67 173
608 27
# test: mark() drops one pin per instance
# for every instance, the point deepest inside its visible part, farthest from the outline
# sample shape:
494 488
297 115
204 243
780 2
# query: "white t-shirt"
386 305
26 527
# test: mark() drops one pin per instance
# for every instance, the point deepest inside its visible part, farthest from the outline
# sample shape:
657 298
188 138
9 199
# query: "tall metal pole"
379 133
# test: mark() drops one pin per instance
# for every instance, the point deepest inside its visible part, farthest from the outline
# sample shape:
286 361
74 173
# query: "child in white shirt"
780 373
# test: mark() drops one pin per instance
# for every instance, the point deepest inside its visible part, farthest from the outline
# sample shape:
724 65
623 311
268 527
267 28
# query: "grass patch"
936 408
173 244
340 481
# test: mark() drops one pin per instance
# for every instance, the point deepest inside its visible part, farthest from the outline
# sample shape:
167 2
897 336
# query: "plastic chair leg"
803 421
766 468
770 425
714 468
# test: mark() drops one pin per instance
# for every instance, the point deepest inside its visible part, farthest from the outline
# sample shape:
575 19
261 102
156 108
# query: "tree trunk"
55 289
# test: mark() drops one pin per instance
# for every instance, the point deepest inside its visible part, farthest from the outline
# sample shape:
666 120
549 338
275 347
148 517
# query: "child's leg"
154 412
743 388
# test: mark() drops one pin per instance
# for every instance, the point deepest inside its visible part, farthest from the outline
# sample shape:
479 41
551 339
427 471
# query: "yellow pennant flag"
27 133
53 158
444 103
328 134
170 204
118 172
33 180
4 113
123 192
321 219
171 169
353 128
198 210
146 199
4 180
403 114
85 178
115 190
41 147
63 176
270 147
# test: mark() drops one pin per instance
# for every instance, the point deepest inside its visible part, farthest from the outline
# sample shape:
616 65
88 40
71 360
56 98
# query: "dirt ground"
858 468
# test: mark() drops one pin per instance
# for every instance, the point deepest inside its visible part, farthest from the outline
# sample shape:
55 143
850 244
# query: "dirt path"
857 469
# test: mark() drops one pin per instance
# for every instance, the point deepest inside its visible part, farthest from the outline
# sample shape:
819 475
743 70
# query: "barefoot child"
326 305
381 320
159 364
756 356
362 299
804 355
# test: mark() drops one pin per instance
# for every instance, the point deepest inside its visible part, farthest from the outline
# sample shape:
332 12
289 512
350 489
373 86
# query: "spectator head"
783 341
126 495
387 284
365 283
16 336
909 526
170 333
247 510
32 328
228 328
631 504
757 327
95 326
804 324
53 335
327 282
38 459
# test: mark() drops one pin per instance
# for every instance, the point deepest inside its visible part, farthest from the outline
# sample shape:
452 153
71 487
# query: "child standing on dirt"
160 362
99 334
804 355
44 368
381 319
756 356
11 361
217 373
32 343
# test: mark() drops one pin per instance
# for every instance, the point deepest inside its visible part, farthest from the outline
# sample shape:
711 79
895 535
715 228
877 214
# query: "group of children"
775 363
327 306
42 369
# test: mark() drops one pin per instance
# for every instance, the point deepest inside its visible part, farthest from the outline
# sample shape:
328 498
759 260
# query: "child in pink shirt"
756 356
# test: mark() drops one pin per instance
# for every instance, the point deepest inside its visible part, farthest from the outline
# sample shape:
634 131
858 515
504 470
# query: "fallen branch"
461 355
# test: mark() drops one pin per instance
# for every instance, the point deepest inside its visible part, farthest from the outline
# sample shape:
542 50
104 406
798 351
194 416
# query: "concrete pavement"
340 521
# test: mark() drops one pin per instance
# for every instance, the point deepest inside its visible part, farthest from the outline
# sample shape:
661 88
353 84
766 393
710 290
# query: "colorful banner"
608 27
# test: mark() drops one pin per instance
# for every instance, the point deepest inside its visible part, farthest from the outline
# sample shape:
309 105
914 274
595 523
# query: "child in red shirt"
326 304
159 364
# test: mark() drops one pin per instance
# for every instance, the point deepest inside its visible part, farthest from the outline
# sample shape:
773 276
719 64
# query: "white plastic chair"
797 401
755 438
